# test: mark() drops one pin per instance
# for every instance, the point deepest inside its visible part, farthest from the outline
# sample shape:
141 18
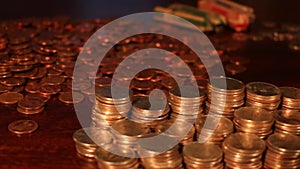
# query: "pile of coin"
181 130
127 132
85 139
254 121
31 105
202 155
224 96
149 110
243 150
110 107
287 121
186 102
283 151
263 95
290 98
116 157
168 159
213 129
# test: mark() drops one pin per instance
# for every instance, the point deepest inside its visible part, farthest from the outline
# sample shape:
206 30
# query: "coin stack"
30 105
169 159
243 150
290 98
116 157
202 155
254 121
86 146
186 102
263 95
180 128
283 151
213 129
149 110
224 96
110 108
126 132
287 121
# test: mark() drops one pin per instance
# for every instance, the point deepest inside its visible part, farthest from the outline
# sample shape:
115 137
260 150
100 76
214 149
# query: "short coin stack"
224 96
242 150
287 121
213 129
283 151
263 95
254 121
149 110
186 102
202 155
116 157
85 146
110 106
30 105
290 98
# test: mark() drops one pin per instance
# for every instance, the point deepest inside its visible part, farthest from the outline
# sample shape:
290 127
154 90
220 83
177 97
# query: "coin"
70 97
22 126
10 98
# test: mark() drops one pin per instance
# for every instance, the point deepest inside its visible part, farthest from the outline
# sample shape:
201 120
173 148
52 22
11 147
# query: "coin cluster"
224 96
242 150
202 155
254 121
287 121
290 98
263 95
283 151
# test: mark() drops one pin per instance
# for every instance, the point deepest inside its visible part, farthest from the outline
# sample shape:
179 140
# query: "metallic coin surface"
22 126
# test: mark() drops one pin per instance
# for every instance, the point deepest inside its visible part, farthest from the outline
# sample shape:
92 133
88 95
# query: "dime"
22 126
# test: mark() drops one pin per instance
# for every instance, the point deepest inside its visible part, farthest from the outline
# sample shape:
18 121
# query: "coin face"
71 97
187 92
290 92
22 126
109 157
286 143
204 152
254 114
10 98
263 88
225 83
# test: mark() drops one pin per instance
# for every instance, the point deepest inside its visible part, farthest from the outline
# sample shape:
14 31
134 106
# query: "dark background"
271 10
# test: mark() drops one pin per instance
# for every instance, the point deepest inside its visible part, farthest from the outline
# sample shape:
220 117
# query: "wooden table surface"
52 146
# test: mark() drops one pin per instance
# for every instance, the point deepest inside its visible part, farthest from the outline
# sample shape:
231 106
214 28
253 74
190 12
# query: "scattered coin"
22 126
10 98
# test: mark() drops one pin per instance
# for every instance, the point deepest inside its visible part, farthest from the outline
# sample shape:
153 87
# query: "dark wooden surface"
51 146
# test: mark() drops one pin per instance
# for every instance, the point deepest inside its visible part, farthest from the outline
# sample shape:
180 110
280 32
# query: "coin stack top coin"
287 121
283 151
186 102
110 107
263 95
243 150
213 129
85 139
149 110
290 98
30 105
224 96
202 155
254 121
116 157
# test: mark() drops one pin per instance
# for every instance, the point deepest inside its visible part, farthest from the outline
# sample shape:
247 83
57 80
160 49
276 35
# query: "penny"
12 81
22 126
44 98
70 97
203 152
30 111
31 103
52 80
263 90
10 98
47 89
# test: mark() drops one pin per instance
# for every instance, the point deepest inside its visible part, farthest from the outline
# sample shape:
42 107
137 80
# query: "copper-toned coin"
30 111
70 97
145 74
263 90
44 98
47 89
10 98
31 87
12 81
53 80
141 85
17 89
20 68
22 126
31 103
285 143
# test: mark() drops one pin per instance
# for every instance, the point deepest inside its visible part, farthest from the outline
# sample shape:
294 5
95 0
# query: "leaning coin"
10 98
22 126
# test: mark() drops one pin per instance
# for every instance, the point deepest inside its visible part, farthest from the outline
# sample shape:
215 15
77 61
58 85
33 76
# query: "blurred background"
270 10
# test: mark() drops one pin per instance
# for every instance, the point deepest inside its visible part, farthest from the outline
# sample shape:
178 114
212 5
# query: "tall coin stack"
242 150
202 155
116 157
283 151
224 96
287 121
254 121
186 103
290 98
169 159
263 95
217 129
85 146
110 108
149 110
